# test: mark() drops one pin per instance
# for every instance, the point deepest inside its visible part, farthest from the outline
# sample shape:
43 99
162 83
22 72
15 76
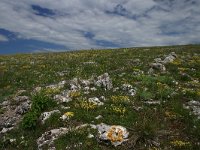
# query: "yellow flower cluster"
85 104
48 91
41 66
162 86
118 109
25 67
3 68
176 62
182 69
170 115
69 114
198 93
74 94
117 99
179 143
136 69
187 90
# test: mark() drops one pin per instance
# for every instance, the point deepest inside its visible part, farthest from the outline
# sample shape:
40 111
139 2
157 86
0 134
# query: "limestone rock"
46 115
21 98
49 137
170 58
129 88
96 101
5 130
60 85
158 66
194 106
23 107
62 99
152 102
98 117
74 84
104 81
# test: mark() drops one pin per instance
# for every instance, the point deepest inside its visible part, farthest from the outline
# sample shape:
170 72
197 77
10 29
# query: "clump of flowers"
49 91
67 115
25 67
137 71
74 94
162 86
188 91
182 69
120 110
198 92
170 115
118 99
179 143
176 62
164 91
85 104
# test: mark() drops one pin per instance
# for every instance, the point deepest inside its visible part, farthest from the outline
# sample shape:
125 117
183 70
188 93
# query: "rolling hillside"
128 98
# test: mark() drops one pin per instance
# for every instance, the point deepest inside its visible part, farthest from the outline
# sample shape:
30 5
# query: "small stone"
152 102
89 62
129 88
21 98
103 98
85 83
151 71
90 136
93 89
37 89
5 103
98 117
158 60
158 66
63 107
194 106
115 89
20 92
62 99
12 140
96 101
74 84
4 130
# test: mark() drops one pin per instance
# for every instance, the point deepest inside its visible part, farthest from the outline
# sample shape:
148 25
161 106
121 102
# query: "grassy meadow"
163 125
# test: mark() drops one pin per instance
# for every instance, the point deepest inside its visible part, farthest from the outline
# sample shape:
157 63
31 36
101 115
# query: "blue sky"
58 25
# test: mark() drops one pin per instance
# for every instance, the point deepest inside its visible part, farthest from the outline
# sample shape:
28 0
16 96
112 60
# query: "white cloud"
3 38
155 22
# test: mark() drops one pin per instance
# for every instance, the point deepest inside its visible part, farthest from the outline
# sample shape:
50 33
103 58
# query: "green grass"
162 123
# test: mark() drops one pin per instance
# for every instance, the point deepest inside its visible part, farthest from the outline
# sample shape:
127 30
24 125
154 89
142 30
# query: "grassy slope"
166 124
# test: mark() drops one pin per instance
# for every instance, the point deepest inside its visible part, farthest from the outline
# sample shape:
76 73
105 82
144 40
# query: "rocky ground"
137 98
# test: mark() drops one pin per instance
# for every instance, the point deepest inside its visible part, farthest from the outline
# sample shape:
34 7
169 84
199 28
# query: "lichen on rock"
115 134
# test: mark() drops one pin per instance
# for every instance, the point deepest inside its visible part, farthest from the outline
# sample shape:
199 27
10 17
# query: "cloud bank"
78 24
3 38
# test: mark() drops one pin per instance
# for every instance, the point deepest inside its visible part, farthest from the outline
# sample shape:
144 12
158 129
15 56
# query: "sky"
28 26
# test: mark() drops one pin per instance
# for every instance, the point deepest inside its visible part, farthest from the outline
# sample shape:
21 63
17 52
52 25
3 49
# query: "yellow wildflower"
69 114
179 143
